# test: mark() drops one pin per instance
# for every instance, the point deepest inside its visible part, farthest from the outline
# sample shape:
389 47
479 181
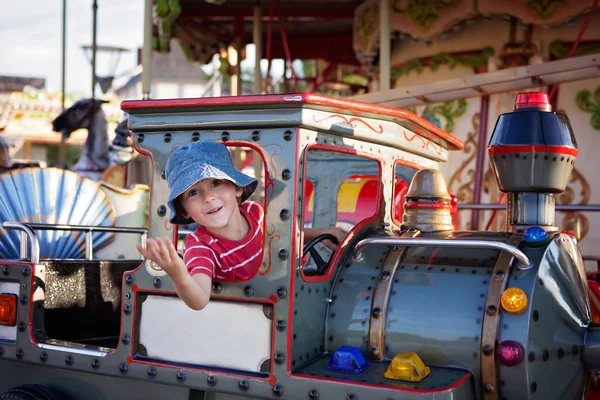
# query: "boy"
206 188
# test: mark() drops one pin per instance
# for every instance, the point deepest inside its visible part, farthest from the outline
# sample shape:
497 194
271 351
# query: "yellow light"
407 367
514 300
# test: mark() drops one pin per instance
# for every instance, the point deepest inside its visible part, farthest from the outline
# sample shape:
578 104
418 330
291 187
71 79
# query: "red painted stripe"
422 204
417 124
533 149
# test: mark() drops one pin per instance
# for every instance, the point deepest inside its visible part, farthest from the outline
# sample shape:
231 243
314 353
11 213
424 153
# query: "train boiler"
511 306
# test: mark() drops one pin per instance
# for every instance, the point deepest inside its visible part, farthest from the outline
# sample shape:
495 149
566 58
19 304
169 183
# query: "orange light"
8 309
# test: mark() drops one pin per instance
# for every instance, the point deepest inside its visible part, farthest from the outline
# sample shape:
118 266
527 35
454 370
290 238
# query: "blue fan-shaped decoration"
53 196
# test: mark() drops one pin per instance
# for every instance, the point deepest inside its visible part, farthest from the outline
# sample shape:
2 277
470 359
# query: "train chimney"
427 204
532 152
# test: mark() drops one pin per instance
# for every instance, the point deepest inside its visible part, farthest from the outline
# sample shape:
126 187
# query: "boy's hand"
339 233
164 254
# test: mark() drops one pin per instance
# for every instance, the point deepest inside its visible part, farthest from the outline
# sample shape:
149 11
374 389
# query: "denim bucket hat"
194 162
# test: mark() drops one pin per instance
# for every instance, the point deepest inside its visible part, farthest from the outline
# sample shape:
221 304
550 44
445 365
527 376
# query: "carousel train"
406 308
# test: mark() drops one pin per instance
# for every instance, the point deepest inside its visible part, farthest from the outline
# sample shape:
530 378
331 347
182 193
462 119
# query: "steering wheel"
322 265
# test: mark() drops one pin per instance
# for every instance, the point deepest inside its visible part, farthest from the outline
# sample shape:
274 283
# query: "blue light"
535 236
347 360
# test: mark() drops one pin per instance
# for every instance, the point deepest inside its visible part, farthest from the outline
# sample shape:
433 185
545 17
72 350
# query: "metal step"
506 80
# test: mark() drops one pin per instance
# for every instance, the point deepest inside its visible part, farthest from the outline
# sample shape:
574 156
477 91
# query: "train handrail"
28 234
523 265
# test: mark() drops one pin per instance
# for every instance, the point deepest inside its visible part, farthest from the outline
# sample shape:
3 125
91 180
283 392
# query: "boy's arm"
193 290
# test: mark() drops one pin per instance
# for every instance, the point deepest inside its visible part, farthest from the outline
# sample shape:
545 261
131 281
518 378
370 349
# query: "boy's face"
211 203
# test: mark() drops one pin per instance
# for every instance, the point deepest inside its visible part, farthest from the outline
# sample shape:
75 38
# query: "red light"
537 100
570 234
510 353
8 309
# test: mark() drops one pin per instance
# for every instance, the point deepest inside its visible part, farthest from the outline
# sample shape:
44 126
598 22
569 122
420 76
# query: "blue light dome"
347 360
535 236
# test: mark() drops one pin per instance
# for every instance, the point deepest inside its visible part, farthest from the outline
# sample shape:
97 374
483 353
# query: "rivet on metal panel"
225 136
248 291
69 360
140 138
351 397
167 137
151 372
22 326
499 276
212 380
161 211
26 271
283 254
95 363
278 390
376 312
279 358
286 174
23 299
19 353
217 287
281 325
195 136
488 388
491 310
181 375
163 174
127 308
288 135
282 292
128 295
129 279
43 356
6 270
157 282
125 339
313 394
284 214
244 384
488 350
1 351
255 136
375 350
123 368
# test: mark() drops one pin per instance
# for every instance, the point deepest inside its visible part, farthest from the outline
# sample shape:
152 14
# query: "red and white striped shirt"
224 259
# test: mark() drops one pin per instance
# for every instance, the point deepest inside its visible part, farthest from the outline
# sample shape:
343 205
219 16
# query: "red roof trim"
308 98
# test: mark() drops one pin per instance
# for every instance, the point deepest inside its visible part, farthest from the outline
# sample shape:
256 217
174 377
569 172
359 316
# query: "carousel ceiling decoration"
427 19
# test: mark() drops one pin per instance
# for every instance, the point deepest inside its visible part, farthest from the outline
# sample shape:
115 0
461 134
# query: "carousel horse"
87 114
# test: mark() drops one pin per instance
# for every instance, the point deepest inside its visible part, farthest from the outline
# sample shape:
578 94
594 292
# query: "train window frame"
342 250
263 202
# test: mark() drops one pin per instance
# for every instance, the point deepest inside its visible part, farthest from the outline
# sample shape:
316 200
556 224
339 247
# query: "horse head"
87 114
79 115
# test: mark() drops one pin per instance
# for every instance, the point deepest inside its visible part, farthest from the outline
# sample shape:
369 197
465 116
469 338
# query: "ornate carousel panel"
53 196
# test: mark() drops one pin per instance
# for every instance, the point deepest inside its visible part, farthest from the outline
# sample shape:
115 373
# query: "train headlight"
407 367
514 300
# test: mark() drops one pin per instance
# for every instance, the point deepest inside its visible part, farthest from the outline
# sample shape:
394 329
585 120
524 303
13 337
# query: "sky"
31 40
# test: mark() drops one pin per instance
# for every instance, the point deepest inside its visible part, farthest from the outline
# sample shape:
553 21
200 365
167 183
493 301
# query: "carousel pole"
147 50
257 39
62 146
94 34
384 45
257 89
